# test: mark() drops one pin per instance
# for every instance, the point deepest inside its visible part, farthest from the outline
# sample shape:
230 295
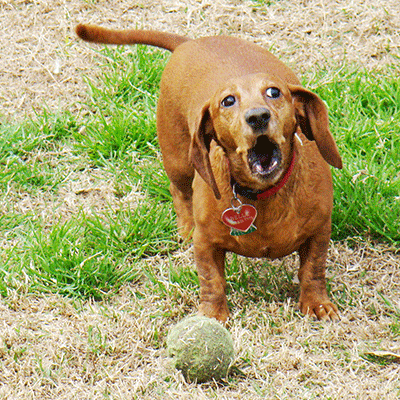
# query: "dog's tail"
97 34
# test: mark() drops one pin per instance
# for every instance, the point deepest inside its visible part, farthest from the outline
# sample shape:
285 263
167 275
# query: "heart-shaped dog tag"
240 219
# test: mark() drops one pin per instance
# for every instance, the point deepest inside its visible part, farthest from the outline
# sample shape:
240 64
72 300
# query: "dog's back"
211 61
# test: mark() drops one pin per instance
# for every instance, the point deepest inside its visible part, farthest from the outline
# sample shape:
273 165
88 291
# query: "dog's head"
254 119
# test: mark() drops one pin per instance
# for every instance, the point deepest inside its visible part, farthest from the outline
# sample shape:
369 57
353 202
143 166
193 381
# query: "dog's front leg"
314 300
210 263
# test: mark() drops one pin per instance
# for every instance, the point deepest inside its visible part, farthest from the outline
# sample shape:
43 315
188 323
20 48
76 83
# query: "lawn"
92 272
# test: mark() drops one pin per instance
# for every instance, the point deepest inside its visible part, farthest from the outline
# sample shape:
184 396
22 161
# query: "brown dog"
246 149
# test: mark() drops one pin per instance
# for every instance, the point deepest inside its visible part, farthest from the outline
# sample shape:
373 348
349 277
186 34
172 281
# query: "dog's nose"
258 118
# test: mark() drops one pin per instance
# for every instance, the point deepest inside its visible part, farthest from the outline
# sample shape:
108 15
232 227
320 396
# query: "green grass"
93 254
123 104
28 151
88 255
365 119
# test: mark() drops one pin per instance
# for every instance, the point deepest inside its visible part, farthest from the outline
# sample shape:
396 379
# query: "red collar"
259 195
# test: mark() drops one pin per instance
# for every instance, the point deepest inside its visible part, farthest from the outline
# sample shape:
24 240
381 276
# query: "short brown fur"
206 144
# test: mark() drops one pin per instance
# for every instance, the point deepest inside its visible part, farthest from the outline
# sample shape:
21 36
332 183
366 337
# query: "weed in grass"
163 283
381 358
48 373
10 222
30 174
98 343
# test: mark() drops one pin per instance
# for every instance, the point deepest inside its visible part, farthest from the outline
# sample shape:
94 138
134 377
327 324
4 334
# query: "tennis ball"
201 348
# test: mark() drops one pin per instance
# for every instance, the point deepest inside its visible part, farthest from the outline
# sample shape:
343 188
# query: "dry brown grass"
57 348
42 62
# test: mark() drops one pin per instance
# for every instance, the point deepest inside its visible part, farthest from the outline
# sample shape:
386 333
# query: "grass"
123 103
91 254
365 115
89 288
88 254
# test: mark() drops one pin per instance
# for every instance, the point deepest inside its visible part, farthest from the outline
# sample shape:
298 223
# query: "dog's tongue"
258 168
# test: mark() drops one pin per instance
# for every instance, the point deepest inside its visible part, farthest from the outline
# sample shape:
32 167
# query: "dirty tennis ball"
201 348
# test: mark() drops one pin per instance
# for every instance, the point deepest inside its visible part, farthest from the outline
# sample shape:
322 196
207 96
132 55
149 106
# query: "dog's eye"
228 101
273 92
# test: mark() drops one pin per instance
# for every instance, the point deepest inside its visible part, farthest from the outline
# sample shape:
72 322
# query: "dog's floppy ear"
202 133
312 117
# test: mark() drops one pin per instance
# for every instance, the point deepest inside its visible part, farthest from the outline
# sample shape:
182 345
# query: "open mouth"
264 158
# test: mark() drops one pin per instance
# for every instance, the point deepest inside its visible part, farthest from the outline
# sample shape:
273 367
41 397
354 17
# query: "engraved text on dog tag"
240 219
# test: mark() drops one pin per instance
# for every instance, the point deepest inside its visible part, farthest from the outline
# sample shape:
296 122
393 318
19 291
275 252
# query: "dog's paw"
212 310
323 311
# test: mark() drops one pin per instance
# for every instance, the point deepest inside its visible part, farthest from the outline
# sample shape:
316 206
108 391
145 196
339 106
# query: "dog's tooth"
273 165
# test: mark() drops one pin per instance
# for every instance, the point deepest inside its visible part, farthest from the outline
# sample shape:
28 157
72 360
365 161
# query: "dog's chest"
277 234
273 243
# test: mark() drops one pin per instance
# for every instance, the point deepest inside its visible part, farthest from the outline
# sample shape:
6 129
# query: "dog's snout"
258 118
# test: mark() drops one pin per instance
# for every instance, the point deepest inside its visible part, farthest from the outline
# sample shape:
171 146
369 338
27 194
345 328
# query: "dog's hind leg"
174 142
